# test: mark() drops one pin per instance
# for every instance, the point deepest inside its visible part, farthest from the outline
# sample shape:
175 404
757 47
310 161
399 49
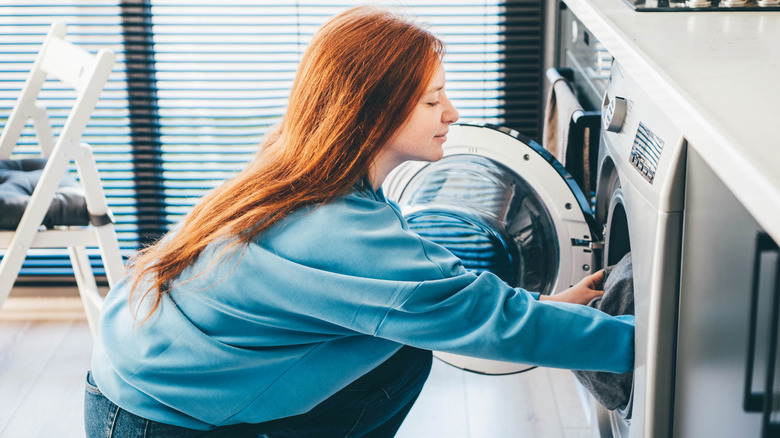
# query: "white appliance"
640 200
501 202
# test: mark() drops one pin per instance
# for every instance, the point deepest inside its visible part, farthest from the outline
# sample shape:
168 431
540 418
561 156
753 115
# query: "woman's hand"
583 292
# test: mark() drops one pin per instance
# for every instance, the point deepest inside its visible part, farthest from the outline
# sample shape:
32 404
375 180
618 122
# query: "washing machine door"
501 203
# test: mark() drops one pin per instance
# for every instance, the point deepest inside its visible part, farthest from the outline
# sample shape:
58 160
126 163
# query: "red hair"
359 80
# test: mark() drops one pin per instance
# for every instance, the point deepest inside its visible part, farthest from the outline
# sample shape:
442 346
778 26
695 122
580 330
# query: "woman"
294 301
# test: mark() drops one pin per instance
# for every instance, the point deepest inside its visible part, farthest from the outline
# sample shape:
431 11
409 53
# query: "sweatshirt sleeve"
481 316
363 246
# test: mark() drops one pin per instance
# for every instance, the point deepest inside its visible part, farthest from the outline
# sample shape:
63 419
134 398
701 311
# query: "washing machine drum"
502 204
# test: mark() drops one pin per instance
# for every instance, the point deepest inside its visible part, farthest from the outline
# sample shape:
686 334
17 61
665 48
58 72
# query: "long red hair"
359 80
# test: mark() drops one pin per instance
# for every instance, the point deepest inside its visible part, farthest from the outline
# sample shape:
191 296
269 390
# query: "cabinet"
727 303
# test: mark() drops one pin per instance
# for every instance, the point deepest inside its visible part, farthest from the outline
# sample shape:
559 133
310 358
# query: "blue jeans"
375 405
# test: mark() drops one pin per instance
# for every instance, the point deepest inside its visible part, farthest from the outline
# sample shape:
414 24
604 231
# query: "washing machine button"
614 113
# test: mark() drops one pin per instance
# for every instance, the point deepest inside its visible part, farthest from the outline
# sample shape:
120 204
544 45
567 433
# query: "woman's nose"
450 114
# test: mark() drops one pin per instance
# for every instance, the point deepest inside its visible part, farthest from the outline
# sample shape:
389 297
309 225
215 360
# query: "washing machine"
640 202
500 202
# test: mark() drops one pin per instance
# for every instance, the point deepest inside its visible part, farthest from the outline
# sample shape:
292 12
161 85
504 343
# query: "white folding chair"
87 74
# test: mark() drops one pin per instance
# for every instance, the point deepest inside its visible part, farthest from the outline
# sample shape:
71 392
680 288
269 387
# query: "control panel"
645 145
646 152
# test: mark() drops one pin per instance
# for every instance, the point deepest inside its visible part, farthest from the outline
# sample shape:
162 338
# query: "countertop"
717 76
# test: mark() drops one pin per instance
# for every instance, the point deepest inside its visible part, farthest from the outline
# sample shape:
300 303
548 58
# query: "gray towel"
610 389
561 106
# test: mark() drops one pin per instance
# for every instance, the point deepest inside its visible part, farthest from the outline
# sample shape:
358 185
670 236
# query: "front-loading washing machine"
640 202
500 202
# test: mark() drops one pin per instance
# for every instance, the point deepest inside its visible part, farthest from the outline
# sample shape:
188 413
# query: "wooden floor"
43 364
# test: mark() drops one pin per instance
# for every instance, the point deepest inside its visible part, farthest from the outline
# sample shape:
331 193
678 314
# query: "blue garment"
317 301
374 405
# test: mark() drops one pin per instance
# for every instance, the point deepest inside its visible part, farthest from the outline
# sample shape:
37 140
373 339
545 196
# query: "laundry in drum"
613 391
487 216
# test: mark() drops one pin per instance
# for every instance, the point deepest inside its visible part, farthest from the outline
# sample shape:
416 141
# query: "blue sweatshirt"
315 302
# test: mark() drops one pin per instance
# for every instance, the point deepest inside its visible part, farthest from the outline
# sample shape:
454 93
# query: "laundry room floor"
539 403
44 358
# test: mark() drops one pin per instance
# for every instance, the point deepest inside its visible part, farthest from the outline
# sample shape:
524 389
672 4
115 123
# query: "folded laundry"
612 390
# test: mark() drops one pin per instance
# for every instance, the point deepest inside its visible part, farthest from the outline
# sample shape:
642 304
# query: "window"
197 83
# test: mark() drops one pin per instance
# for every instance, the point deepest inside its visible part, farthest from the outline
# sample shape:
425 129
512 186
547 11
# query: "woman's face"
421 137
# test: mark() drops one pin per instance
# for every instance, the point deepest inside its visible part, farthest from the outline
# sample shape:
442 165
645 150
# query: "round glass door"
487 216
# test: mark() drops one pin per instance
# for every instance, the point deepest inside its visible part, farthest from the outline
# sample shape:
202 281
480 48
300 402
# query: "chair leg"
97 205
85 279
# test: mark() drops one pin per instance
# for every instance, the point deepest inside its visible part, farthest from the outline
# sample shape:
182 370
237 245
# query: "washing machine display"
646 151
501 203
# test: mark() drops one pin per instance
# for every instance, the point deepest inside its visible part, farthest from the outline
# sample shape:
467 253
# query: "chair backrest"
74 66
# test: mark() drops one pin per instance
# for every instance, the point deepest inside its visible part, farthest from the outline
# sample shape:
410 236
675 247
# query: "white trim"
42 309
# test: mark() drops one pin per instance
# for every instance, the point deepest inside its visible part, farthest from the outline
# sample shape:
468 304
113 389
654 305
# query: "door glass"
488 216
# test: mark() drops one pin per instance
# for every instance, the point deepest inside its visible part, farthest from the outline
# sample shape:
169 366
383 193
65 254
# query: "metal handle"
763 402
564 74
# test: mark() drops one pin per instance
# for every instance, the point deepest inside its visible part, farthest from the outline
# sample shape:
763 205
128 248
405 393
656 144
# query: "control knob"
614 113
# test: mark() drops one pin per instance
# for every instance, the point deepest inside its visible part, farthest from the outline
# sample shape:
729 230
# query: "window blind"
92 24
198 83
224 73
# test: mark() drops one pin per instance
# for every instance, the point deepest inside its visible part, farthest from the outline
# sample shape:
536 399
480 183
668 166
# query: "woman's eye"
433 104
